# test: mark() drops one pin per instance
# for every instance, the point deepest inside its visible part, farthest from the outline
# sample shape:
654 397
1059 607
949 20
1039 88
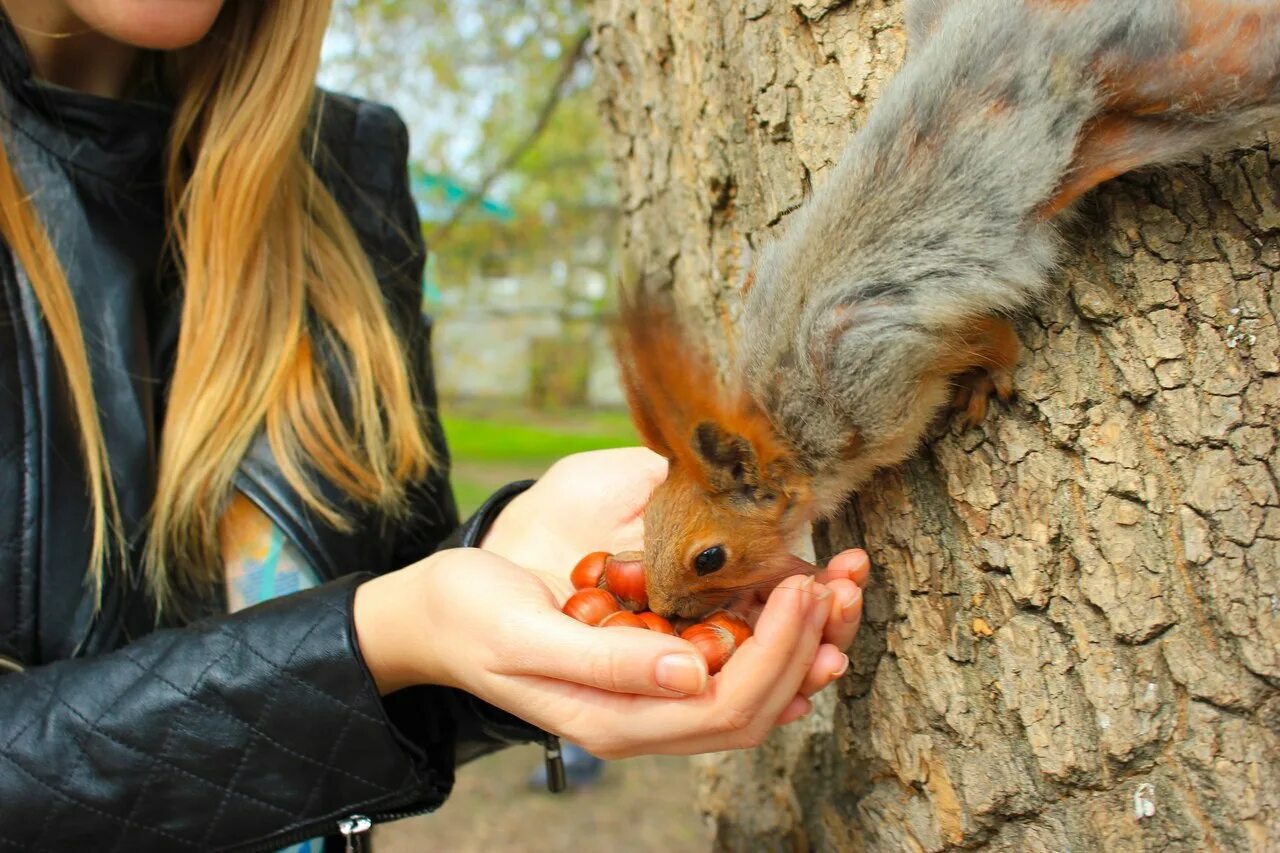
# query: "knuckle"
734 721
607 669
748 738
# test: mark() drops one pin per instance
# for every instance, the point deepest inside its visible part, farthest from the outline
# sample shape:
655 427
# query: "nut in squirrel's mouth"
690 610
746 602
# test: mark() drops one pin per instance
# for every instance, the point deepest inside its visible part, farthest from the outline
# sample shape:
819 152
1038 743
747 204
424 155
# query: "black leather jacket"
241 732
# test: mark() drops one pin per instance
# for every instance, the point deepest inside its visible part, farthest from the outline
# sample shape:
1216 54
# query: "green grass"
469 493
494 445
507 440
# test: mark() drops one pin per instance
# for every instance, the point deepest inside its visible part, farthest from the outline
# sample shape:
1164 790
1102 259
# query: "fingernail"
842 669
681 673
849 610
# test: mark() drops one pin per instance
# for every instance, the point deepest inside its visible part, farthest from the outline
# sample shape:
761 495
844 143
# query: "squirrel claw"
975 389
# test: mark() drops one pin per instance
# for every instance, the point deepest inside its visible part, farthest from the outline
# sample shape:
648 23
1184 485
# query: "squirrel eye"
710 560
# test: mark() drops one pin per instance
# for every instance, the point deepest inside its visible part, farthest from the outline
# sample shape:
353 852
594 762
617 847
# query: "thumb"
620 660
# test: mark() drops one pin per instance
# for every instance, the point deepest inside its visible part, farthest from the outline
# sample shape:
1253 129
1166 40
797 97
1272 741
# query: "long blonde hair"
273 275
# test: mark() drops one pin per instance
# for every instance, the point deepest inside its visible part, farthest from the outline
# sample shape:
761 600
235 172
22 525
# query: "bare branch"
548 109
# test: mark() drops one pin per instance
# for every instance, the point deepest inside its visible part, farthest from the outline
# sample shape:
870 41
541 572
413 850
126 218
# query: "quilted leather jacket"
249 731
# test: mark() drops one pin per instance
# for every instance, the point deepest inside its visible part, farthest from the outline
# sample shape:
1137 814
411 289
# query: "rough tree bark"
1073 636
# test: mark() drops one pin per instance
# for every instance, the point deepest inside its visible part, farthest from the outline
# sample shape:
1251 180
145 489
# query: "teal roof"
437 196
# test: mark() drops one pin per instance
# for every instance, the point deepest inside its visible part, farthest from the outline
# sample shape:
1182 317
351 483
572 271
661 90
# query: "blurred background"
514 188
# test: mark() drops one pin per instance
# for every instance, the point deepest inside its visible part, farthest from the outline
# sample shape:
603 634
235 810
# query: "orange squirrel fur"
894 283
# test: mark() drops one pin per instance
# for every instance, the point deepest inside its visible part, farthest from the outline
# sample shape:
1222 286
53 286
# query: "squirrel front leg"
887 287
981 363
1157 106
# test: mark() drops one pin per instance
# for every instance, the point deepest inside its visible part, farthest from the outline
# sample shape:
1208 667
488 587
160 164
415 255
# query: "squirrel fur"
892 286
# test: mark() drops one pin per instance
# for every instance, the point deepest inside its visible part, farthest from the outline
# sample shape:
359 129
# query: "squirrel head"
719 529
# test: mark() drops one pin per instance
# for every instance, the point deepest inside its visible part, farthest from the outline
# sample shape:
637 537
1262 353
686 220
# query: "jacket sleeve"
241 732
244 731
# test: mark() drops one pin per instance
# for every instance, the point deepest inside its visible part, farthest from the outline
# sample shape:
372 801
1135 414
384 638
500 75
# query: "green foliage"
471 79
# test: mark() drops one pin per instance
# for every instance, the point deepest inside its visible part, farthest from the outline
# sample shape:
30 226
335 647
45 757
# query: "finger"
627 475
846 613
741 705
798 709
829 665
615 725
619 660
629 536
757 683
782 704
853 564
766 672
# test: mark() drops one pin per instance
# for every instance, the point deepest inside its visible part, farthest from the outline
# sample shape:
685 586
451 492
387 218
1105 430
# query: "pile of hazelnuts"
610 593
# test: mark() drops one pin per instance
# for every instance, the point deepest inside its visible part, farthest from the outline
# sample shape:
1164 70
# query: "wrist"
476 530
388 619
503 528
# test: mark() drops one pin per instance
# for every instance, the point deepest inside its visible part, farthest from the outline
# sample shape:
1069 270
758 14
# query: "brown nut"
656 622
588 571
624 577
713 642
623 619
731 622
590 605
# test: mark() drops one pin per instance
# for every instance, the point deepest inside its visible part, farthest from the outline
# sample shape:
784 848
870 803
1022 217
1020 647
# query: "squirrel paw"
974 390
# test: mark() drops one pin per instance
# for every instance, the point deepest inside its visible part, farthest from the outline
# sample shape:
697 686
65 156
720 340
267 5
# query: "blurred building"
534 333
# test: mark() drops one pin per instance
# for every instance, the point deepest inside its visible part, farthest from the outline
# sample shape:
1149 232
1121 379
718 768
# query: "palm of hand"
586 502
488 621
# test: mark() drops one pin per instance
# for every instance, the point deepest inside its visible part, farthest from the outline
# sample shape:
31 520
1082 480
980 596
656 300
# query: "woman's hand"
595 502
585 502
472 620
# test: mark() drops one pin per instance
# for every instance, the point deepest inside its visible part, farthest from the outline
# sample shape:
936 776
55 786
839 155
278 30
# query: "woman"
219 381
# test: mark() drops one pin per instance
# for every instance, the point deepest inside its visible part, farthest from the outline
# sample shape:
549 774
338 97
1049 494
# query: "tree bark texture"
1072 640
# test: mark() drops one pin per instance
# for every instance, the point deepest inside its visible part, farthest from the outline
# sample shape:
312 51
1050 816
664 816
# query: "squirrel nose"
663 606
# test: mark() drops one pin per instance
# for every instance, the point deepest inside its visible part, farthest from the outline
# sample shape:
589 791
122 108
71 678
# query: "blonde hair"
273 275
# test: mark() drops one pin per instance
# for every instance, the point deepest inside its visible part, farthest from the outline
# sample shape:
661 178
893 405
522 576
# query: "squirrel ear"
730 462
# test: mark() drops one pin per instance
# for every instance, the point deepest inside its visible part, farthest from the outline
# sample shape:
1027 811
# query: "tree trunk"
1072 638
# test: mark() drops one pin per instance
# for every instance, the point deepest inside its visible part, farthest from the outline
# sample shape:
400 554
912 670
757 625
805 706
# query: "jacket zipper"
556 779
8 664
355 832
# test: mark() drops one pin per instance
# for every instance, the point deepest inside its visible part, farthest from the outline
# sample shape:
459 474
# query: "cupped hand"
585 502
470 619
595 502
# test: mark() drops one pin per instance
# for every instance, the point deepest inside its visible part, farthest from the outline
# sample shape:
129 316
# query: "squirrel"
888 295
